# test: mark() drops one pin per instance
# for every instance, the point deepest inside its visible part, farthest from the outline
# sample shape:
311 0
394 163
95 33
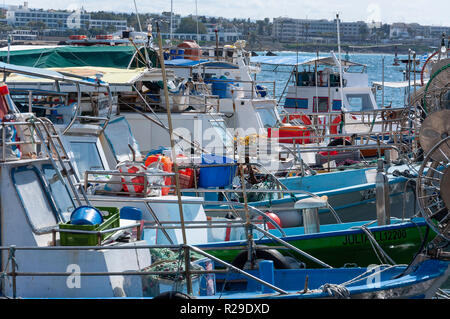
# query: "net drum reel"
433 182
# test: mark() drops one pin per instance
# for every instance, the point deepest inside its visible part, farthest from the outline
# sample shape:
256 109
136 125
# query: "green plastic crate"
74 239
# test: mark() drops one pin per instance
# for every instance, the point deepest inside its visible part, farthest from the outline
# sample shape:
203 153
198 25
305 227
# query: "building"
223 36
288 29
119 25
23 16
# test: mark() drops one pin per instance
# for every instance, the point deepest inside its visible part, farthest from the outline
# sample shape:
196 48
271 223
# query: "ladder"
54 149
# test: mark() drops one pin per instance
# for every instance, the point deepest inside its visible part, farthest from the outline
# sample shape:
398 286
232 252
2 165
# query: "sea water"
374 62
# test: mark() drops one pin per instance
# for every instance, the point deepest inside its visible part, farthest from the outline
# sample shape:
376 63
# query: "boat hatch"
36 199
86 154
359 102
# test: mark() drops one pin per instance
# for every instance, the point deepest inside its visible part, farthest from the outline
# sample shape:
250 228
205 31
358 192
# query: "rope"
336 291
441 294
341 291
373 242
11 257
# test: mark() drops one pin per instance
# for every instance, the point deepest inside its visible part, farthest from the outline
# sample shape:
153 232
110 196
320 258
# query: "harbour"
137 167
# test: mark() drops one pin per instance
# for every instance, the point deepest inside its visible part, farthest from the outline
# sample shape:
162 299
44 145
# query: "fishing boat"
134 288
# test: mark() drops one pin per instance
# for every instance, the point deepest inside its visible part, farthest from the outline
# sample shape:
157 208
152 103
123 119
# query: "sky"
424 12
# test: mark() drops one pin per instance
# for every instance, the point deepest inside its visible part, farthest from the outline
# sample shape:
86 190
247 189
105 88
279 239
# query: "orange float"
167 165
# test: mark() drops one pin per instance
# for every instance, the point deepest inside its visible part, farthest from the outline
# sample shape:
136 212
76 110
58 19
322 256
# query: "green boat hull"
341 248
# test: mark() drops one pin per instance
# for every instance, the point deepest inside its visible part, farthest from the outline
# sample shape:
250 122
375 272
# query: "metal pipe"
172 143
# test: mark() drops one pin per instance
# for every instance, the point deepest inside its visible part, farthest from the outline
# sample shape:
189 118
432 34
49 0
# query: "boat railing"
255 89
389 118
12 269
31 137
231 224
142 180
151 102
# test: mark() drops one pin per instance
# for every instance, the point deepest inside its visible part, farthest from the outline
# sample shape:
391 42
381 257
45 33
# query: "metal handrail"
187 272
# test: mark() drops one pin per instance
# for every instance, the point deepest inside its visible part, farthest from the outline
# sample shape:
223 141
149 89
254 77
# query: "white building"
21 16
288 29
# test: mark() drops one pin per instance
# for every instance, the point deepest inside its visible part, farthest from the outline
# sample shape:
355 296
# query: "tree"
189 25
363 31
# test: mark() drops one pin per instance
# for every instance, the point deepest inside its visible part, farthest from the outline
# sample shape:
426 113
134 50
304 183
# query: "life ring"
334 125
279 261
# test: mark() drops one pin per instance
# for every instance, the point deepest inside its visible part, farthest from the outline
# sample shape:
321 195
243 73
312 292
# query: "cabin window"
86 156
63 200
35 198
267 117
359 102
320 104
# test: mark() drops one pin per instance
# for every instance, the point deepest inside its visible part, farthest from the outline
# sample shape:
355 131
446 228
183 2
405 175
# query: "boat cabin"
318 87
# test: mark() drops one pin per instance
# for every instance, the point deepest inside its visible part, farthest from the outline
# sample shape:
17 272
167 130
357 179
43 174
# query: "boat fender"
173 295
279 261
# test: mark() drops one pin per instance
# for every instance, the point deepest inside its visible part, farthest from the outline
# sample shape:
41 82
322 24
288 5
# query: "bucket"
219 176
86 215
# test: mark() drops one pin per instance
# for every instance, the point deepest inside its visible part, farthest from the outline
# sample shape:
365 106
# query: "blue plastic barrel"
218 176
173 54
221 87
180 54
86 215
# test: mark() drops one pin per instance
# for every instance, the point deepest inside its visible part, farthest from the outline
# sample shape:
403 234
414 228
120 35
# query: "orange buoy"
274 217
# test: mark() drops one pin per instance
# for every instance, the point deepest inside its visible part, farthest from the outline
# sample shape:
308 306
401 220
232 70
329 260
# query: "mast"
340 59
196 19
171 13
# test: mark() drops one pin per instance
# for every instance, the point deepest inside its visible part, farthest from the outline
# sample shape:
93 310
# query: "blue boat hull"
385 282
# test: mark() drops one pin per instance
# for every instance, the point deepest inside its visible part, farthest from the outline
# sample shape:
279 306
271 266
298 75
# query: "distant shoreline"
400 49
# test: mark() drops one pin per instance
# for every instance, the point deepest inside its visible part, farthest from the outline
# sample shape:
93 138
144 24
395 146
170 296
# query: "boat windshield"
60 193
86 156
359 102
223 134
268 117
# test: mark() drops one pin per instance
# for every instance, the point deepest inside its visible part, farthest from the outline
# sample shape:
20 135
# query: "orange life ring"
334 125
